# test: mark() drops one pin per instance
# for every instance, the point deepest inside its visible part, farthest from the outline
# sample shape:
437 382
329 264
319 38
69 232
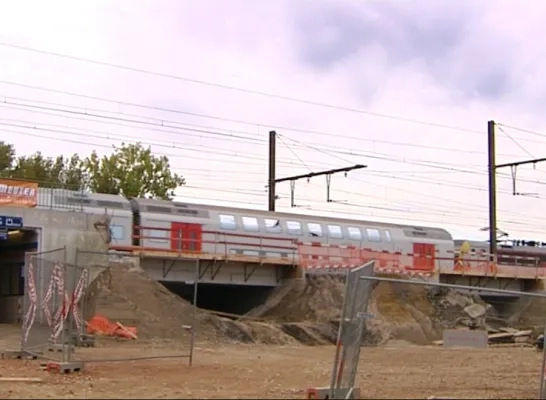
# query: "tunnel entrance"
233 299
13 247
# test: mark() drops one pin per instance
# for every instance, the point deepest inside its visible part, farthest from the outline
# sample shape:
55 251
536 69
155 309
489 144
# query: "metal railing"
209 243
340 257
56 196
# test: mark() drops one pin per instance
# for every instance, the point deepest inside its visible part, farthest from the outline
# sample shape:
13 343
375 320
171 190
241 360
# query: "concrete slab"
66 367
323 393
19 355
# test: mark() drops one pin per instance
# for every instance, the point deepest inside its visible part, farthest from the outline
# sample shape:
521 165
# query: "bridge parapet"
189 241
320 257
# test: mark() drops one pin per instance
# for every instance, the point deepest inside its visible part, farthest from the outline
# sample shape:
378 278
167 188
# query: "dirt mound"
312 299
526 313
303 311
309 310
124 293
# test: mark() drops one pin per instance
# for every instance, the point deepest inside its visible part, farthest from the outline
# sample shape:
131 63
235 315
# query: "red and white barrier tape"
30 315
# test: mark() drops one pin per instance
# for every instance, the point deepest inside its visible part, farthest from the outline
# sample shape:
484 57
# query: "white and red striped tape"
30 316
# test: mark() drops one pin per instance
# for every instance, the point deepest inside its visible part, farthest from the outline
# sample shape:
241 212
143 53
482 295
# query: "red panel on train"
424 255
186 237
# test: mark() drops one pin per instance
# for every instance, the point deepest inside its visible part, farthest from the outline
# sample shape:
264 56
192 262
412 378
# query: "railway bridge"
241 261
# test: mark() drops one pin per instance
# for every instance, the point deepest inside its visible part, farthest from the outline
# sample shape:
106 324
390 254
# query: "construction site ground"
397 370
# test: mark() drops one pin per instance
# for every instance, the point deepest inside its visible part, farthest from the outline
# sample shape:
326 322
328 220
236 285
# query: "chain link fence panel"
351 331
43 304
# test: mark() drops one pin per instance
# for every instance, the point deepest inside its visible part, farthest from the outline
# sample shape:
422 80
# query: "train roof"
75 200
201 207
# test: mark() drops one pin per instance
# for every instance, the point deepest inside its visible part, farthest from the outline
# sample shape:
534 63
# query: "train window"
250 224
293 227
387 236
273 225
157 236
227 222
334 231
354 233
373 235
315 229
117 232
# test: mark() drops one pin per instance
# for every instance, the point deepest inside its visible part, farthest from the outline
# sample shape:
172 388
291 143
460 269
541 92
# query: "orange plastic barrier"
103 326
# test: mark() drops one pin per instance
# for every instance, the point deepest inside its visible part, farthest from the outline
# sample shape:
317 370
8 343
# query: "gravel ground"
262 371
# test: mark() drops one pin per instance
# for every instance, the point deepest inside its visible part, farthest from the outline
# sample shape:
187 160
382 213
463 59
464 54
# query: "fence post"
542 394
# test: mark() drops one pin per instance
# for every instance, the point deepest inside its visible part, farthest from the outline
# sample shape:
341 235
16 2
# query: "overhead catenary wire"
87 111
234 88
454 171
258 192
335 153
246 155
212 150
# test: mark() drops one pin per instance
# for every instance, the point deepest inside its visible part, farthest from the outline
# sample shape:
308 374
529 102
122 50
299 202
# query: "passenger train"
168 225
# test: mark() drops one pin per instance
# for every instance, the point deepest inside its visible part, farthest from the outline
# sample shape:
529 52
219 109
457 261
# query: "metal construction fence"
56 311
351 331
478 371
43 308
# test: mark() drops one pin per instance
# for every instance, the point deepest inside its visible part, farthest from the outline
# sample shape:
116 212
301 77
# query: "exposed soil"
305 311
256 371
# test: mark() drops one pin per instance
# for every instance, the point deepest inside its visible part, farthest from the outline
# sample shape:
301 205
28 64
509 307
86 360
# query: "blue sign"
11 222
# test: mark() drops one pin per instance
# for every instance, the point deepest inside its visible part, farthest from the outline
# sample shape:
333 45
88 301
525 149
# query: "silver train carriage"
173 226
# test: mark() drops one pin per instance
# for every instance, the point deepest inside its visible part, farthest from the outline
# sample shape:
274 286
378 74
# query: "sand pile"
299 311
309 310
126 294
526 313
314 299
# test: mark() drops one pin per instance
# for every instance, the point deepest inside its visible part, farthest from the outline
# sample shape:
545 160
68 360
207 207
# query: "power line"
247 155
161 122
522 130
330 152
199 158
404 219
405 161
234 88
515 142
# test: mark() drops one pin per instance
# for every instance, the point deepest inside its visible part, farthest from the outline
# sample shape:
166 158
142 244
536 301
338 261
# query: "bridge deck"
188 244
188 255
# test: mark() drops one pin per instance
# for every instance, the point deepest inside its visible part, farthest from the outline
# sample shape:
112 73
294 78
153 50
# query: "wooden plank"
126 330
20 379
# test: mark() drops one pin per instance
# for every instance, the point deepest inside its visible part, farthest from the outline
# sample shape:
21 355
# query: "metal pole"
272 172
542 394
339 343
453 286
192 342
492 190
196 282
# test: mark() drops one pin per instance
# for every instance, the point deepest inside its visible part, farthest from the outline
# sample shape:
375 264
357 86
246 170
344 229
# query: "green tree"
132 171
53 172
7 158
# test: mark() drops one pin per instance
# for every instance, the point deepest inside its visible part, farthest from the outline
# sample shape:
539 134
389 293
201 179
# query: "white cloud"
455 66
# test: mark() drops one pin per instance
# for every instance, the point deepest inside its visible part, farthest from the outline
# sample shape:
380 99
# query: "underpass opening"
13 247
232 299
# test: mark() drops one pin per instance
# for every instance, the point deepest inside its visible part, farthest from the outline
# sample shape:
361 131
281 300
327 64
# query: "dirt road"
250 371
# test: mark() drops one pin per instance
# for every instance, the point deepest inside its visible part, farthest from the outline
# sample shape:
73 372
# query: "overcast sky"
407 88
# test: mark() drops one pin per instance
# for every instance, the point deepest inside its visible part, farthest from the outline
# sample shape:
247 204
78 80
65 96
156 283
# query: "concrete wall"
74 231
232 273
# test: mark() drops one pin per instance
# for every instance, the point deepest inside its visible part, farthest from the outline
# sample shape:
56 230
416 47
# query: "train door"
186 237
193 239
424 256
